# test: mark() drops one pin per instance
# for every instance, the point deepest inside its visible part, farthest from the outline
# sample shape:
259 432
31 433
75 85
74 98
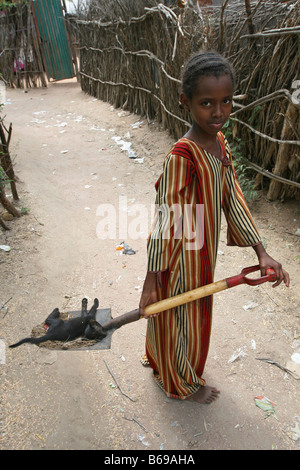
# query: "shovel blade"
103 316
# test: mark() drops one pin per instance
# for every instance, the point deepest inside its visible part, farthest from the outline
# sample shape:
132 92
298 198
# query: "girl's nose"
217 110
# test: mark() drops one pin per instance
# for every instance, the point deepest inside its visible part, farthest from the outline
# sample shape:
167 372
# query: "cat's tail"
28 340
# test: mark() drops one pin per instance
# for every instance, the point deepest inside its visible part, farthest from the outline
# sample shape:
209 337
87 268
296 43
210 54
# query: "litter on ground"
266 405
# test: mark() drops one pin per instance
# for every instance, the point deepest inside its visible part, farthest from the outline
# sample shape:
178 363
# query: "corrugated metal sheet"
52 31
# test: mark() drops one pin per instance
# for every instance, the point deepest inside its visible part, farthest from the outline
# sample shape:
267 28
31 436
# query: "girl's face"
210 105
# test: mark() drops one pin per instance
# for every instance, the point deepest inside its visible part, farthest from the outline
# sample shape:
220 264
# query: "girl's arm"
149 294
265 262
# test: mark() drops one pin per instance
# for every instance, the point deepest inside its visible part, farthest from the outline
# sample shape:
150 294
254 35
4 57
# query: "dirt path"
69 166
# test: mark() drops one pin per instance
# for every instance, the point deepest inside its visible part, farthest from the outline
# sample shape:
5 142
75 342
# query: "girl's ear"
185 102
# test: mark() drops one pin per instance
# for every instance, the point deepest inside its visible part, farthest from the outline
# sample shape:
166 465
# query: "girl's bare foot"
205 395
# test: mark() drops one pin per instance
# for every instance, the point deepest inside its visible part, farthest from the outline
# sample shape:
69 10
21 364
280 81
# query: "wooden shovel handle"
186 297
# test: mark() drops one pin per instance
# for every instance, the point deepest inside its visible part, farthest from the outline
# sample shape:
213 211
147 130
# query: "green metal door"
52 32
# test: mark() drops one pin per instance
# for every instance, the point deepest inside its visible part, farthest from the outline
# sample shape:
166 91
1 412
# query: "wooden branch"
128 85
274 32
220 41
272 96
9 132
169 76
141 53
282 160
149 11
7 204
249 18
272 176
265 136
3 224
5 159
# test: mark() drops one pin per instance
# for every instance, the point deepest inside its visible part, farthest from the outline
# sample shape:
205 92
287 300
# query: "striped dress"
191 192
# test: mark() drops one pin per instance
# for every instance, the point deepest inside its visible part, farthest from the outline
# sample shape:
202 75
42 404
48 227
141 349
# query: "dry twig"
116 381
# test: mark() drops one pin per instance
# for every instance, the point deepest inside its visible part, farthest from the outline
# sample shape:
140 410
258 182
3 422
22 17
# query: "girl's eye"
227 100
205 103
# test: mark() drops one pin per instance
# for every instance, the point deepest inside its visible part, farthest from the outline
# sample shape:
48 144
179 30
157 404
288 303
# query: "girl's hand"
266 262
149 294
281 274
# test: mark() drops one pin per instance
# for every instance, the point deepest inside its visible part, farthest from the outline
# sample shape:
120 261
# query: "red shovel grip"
243 279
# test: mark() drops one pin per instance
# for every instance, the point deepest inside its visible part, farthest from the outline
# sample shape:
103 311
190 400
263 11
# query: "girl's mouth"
217 125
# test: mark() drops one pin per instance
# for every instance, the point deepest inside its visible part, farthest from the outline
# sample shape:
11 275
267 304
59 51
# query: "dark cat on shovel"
84 326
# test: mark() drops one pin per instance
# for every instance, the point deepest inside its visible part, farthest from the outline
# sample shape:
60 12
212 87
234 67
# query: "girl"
198 175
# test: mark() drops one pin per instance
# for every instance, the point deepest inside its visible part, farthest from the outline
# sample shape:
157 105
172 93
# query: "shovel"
112 324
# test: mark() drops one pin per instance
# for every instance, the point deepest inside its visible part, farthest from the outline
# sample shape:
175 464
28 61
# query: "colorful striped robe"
198 185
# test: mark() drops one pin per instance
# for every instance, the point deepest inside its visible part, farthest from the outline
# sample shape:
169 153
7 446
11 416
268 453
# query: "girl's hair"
203 63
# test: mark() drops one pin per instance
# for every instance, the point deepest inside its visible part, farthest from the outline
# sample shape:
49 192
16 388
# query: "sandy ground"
69 167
